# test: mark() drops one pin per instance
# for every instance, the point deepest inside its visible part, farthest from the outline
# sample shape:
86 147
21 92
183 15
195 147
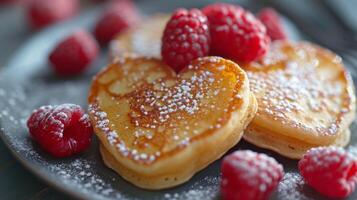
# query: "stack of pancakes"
157 128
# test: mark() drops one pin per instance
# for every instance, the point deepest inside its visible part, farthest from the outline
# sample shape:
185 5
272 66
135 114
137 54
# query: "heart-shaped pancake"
157 128
305 96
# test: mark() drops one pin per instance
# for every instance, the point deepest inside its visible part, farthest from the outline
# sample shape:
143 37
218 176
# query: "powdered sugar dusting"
113 137
198 191
286 87
81 171
352 149
292 188
166 100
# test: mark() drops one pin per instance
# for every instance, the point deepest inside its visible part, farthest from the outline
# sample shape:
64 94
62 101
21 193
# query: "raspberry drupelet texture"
330 170
271 19
186 37
249 175
116 18
61 130
43 13
74 54
236 34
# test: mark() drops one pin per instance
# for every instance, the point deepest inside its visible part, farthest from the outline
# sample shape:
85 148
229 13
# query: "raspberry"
61 130
119 16
271 19
41 13
74 54
330 170
236 34
186 37
249 175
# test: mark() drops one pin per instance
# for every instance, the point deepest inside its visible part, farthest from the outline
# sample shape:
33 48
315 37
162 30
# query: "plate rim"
9 66
34 170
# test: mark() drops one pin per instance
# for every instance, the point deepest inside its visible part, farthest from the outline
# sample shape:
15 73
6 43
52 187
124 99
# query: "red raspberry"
61 130
74 54
119 16
249 175
236 33
271 19
41 13
186 37
330 170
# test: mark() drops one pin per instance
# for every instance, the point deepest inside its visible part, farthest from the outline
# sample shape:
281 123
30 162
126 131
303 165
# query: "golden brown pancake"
158 128
305 97
144 39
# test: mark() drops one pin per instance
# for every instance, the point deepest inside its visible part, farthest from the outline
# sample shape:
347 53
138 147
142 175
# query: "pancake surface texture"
144 39
305 96
157 128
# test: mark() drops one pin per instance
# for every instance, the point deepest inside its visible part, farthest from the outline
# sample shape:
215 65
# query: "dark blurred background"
14 29
330 23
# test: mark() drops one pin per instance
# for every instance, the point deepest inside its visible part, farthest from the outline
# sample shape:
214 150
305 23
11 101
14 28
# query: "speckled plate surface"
27 83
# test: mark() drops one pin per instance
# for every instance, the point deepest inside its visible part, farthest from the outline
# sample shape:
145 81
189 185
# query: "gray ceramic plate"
27 83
